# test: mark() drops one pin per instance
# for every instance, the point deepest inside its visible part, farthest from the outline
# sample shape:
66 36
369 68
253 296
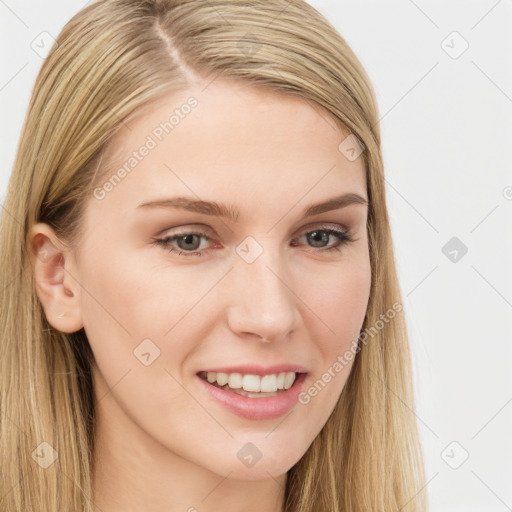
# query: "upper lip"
254 369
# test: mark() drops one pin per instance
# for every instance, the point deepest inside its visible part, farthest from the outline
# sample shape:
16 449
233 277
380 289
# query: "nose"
261 299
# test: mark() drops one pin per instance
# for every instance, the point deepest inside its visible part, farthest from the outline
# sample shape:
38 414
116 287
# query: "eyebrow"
231 212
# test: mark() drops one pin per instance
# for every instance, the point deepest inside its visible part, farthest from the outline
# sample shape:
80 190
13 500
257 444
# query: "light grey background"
446 125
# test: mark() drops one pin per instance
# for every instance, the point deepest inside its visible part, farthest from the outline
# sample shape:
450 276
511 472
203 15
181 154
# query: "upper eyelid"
207 230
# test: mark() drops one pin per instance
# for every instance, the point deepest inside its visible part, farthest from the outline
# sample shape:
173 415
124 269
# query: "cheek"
134 306
127 293
340 303
128 309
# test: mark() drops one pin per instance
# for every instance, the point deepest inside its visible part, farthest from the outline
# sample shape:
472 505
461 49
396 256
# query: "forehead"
230 142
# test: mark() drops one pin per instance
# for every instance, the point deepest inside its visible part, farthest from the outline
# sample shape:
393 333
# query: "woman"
196 237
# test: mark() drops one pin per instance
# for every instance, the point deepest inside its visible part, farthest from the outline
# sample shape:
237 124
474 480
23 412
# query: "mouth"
251 385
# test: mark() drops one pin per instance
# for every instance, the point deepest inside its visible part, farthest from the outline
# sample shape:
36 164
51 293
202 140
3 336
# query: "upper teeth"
266 383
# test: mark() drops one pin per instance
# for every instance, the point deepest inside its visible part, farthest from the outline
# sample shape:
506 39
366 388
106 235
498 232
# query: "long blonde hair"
112 59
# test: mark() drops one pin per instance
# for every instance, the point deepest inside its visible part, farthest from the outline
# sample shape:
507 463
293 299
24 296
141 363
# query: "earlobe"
55 280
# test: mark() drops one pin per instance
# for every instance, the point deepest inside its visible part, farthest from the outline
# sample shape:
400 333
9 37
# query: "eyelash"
344 237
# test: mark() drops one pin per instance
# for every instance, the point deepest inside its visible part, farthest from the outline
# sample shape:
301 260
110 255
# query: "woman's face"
167 292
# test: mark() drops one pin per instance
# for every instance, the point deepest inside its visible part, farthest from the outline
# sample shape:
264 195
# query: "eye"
321 236
189 242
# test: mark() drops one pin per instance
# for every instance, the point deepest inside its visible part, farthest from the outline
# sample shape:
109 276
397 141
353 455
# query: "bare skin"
163 443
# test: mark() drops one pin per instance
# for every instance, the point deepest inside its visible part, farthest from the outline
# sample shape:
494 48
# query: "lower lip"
257 408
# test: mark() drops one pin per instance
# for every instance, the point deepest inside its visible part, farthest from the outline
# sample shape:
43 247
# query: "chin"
260 471
252 463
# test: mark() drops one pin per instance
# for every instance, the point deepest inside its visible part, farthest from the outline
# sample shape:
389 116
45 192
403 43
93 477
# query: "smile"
239 393
250 384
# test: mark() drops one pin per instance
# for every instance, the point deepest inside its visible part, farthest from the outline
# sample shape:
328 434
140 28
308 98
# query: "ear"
55 279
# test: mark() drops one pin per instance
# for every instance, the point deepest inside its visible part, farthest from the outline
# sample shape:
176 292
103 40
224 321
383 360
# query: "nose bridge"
261 301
